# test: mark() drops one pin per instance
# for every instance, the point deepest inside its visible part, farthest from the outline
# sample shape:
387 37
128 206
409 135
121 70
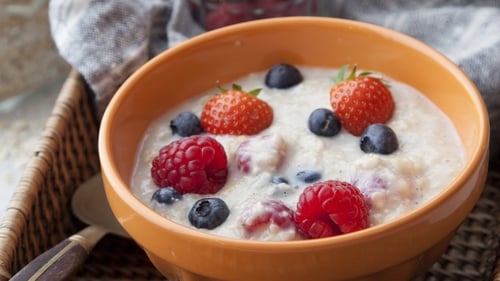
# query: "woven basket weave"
39 214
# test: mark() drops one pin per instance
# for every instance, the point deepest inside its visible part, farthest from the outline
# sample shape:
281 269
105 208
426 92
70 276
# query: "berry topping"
260 153
308 176
331 208
195 164
267 217
283 76
236 112
379 138
186 124
360 100
324 122
166 195
208 213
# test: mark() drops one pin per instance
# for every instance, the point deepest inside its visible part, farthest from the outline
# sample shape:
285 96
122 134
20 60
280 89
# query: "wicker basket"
39 214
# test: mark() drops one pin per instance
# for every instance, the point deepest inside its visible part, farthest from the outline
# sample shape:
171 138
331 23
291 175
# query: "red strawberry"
236 112
195 164
360 100
331 208
265 216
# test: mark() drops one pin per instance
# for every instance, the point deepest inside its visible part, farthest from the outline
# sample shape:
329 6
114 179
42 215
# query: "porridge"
293 177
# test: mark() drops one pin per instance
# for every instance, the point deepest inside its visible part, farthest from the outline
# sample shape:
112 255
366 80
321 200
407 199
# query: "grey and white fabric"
108 40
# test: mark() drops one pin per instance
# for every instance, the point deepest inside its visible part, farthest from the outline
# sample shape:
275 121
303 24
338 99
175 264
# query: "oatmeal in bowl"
295 157
396 152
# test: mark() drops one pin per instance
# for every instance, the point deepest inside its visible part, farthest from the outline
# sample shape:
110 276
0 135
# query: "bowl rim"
122 190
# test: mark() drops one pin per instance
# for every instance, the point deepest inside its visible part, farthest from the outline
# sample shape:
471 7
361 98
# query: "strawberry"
236 112
360 100
331 208
195 164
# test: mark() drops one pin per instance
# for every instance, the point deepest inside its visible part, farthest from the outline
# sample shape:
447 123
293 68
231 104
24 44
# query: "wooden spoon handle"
59 262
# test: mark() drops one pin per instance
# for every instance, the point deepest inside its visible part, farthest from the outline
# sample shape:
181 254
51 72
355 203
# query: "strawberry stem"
236 87
255 92
365 73
352 75
341 74
221 89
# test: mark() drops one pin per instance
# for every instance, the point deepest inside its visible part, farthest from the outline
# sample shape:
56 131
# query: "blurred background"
27 54
31 73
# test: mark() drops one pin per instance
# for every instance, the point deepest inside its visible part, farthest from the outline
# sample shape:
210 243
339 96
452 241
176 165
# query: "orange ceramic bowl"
397 250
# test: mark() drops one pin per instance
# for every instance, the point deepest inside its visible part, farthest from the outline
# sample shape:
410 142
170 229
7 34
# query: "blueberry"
378 138
166 195
324 122
308 176
278 180
186 124
208 213
283 76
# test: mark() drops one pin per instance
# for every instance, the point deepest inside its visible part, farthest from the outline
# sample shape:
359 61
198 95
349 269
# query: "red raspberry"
331 208
195 164
262 216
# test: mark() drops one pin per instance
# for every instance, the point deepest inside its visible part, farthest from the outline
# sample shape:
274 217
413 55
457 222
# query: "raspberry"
195 164
331 208
266 217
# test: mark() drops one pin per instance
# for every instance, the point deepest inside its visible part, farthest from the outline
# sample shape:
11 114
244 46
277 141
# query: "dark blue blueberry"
208 213
283 76
166 195
378 138
186 124
308 176
324 122
278 180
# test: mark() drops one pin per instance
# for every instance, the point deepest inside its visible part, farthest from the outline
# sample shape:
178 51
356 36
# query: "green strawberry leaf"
352 75
221 89
236 87
341 74
255 92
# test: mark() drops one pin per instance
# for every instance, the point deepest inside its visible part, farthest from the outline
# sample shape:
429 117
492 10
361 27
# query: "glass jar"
212 14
